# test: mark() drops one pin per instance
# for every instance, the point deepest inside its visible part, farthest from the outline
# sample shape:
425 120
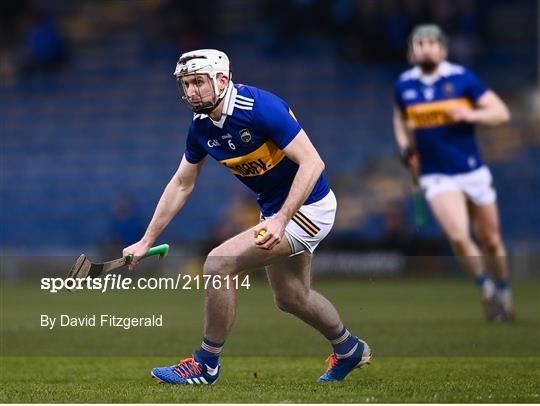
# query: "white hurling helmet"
203 61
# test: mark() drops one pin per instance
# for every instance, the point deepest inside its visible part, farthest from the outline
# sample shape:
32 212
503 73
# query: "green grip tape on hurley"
419 209
161 250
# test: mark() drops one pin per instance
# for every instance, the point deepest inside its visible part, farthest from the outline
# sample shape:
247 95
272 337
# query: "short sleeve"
397 96
275 119
194 151
474 86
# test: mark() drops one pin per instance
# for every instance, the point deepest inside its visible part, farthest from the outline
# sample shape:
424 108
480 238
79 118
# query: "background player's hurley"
418 198
409 159
83 267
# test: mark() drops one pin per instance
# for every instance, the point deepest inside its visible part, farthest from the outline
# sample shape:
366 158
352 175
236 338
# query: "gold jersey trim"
434 114
292 114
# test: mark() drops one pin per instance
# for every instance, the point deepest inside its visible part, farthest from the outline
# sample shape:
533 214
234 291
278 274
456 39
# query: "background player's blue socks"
486 285
481 279
344 343
502 284
504 293
209 352
504 297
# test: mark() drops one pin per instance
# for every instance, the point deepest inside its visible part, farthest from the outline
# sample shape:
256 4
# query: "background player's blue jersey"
444 146
249 139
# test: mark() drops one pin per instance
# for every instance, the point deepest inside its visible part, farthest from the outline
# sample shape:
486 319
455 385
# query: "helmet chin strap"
205 109
209 107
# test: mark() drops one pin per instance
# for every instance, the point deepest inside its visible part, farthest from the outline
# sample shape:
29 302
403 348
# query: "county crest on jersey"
445 147
249 139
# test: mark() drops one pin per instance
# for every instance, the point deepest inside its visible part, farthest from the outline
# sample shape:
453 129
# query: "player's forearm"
172 200
402 139
491 116
400 132
303 183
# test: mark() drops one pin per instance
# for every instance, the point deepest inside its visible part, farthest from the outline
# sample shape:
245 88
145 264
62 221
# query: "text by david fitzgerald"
100 320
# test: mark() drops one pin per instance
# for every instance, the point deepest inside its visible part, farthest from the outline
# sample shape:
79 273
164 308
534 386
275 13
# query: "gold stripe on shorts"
311 223
306 224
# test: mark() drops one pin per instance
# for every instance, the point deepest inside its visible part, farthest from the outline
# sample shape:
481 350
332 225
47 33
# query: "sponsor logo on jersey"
226 136
245 135
256 163
434 114
410 94
429 93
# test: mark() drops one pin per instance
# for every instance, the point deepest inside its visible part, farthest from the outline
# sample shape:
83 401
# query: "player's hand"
138 250
410 159
273 234
462 115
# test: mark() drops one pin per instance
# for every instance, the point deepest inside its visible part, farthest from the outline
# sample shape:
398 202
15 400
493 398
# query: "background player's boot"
505 303
339 368
492 310
189 371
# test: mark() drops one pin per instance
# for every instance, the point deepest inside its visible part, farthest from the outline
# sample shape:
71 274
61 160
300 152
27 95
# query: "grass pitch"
429 340
276 380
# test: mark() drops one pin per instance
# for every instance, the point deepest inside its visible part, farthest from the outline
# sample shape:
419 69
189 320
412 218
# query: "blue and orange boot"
339 368
190 371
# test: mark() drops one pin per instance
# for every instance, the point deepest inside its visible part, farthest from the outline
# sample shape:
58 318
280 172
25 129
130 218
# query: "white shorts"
477 185
311 223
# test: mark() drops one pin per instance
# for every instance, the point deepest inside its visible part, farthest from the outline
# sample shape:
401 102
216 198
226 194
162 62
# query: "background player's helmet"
210 62
423 31
428 31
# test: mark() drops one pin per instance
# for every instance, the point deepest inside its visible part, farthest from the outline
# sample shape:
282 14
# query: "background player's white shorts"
311 223
477 185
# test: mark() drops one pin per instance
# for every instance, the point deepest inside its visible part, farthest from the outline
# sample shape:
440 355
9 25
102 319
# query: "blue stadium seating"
112 124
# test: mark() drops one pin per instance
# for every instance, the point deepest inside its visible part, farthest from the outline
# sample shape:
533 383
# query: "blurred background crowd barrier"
92 125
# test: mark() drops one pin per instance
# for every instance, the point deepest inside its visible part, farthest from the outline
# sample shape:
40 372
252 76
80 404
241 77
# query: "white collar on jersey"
444 69
228 105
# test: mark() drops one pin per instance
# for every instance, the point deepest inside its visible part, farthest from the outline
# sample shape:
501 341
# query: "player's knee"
460 242
290 302
218 265
492 243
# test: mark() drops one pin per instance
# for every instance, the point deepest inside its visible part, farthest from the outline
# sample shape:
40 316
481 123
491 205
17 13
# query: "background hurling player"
440 103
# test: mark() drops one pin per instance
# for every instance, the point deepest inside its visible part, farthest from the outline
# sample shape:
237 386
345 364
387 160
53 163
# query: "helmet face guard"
197 102
206 65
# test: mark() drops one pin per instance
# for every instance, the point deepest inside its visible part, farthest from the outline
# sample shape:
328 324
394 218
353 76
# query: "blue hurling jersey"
249 139
444 146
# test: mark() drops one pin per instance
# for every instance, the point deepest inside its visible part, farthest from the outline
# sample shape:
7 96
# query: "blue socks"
344 344
209 352
503 284
480 280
